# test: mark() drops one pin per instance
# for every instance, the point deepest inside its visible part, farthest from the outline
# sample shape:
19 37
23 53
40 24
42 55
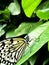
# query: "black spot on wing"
9 51
3 43
0 50
11 40
18 41
2 47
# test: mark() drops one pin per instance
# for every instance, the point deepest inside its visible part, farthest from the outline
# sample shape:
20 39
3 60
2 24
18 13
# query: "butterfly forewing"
11 50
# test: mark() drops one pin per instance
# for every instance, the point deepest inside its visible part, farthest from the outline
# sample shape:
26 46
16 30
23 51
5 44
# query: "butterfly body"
11 50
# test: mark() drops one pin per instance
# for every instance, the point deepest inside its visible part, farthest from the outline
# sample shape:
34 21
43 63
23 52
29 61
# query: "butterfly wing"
11 50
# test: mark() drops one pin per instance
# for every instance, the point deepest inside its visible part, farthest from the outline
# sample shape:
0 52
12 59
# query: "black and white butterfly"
11 50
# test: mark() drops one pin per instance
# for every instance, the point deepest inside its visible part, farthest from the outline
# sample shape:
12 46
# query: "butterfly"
11 50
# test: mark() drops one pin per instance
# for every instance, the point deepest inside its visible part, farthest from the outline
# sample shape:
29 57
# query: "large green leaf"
40 37
43 11
23 28
29 6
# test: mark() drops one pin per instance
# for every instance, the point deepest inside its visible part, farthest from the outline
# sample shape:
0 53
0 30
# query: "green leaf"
2 30
43 11
2 20
1 11
32 59
23 28
48 45
14 8
25 63
46 61
2 26
29 6
41 36
10 33
6 14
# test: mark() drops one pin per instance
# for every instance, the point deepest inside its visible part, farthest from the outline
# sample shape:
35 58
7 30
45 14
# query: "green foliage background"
22 17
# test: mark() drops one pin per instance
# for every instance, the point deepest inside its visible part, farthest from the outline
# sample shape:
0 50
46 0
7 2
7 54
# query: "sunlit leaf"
41 36
43 11
29 6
